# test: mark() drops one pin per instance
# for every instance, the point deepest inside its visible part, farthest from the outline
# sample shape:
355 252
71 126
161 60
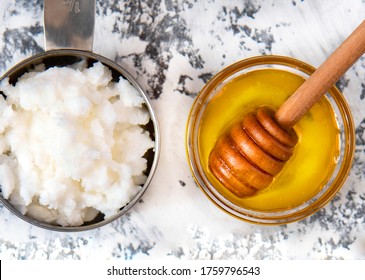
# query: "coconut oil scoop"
69 30
248 157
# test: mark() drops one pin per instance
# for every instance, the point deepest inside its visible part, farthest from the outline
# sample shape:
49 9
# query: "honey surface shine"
315 154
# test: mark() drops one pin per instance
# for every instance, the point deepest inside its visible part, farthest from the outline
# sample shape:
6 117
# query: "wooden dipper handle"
322 79
247 158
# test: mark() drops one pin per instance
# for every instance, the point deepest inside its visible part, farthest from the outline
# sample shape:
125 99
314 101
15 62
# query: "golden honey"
315 154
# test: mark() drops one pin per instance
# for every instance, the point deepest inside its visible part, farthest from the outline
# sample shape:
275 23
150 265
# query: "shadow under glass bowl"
290 214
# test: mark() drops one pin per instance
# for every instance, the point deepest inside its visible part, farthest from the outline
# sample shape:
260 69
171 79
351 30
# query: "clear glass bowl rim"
258 217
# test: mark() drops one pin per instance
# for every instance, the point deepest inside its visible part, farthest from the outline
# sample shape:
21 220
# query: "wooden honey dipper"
246 159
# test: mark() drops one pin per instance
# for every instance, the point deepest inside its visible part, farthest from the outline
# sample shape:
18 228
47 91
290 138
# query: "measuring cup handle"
69 24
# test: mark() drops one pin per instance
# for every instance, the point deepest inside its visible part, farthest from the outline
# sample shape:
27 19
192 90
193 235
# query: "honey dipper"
246 159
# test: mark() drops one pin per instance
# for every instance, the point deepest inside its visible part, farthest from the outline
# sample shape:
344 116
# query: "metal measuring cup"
69 31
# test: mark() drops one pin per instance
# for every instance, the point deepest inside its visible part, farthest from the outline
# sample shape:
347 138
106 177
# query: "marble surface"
173 48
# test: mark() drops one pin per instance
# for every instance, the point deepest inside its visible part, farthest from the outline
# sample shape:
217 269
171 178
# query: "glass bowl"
283 212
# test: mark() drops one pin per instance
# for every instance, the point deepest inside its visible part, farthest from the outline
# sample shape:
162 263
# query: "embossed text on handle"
73 5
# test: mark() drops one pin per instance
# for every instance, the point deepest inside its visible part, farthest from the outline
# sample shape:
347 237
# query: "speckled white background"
173 48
